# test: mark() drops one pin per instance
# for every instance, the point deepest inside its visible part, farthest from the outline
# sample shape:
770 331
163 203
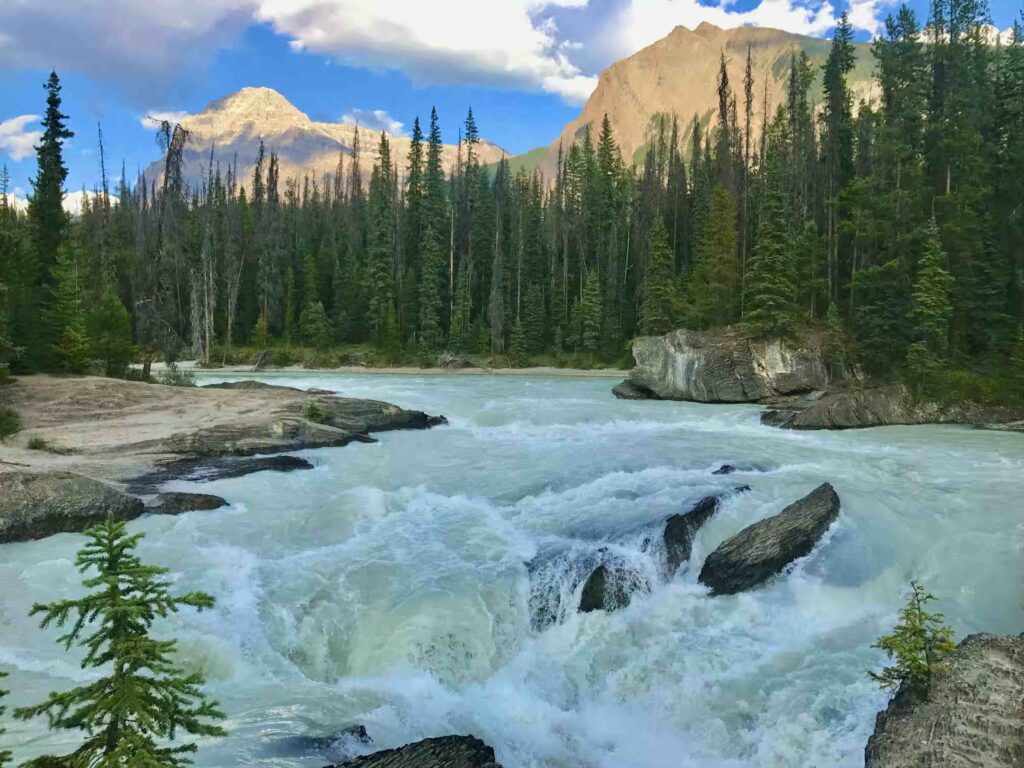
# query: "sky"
524 66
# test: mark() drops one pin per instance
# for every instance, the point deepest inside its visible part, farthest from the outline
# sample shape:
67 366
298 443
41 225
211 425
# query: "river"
388 586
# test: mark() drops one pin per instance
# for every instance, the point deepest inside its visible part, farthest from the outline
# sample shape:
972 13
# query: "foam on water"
390 585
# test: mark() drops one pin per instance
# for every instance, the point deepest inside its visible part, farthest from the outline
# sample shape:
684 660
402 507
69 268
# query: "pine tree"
517 353
771 290
713 285
919 643
65 317
932 308
660 297
144 699
260 337
591 311
380 242
48 220
315 326
110 333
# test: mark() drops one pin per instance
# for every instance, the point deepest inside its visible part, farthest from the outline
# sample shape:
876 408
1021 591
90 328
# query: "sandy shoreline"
597 373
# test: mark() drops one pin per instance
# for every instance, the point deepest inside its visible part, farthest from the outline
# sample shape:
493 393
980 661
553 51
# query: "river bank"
406 370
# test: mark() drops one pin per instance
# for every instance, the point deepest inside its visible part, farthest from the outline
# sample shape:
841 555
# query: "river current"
389 585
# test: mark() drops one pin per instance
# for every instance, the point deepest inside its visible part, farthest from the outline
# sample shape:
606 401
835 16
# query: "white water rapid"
389 585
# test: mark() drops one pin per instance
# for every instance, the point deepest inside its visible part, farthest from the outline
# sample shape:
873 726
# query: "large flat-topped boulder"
38 504
973 718
765 548
724 367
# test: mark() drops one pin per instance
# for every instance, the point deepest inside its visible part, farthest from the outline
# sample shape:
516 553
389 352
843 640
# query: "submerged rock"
343 745
439 752
878 406
725 367
763 549
607 590
38 504
627 390
174 503
220 468
974 717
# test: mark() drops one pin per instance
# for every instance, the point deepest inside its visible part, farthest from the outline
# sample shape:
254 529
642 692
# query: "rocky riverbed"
86 440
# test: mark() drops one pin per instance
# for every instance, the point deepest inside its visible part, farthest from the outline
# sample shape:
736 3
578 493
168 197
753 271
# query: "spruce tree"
771 289
110 333
713 286
49 222
380 241
590 313
660 297
315 326
932 308
143 699
65 317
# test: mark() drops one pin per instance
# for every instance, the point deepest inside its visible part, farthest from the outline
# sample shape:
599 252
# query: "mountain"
677 75
233 126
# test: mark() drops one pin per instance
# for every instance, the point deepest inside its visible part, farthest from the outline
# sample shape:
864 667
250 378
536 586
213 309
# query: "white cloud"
15 140
375 120
514 43
153 120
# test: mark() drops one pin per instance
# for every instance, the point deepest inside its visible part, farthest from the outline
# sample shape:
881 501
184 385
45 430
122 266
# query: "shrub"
174 377
919 643
315 413
9 421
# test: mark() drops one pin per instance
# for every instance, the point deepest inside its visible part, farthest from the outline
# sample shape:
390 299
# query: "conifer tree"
932 309
660 297
49 221
110 333
66 318
380 241
771 290
143 699
590 312
713 285
315 326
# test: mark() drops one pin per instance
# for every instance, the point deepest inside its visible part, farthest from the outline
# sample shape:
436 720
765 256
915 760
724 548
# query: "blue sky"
525 66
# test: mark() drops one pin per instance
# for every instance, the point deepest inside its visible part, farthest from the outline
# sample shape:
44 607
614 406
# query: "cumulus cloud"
375 120
153 120
18 142
552 46
513 43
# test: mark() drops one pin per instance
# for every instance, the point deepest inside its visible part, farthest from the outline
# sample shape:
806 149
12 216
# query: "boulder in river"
680 530
439 752
973 718
627 390
724 366
765 548
38 504
176 502
206 470
607 589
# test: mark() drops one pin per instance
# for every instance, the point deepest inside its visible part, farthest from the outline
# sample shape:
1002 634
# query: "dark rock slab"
765 548
607 589
627 390
206 470
877 407
973 718
174 503
34 505
440 752
680 530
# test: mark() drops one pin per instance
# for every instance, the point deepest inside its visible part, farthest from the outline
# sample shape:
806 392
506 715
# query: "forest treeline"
896 225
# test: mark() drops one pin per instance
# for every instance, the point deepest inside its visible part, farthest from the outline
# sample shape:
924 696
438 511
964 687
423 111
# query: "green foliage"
932 308
260 337
316 327
5 755
590 313
9 421
110 332
65 317
173 376
315 413
517 354
142 700
918 643
713 286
